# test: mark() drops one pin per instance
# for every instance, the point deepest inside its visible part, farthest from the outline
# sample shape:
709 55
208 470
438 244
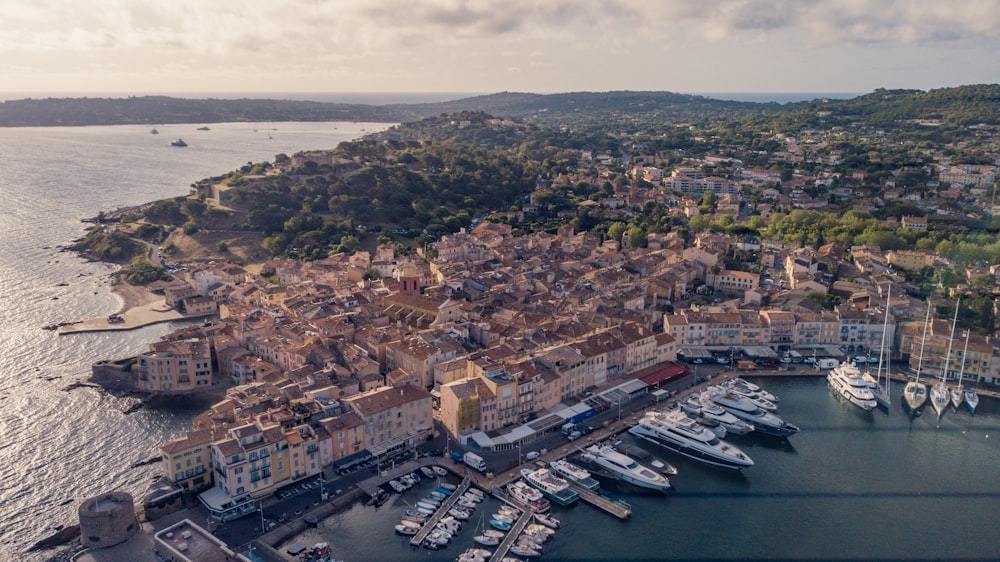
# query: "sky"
173 47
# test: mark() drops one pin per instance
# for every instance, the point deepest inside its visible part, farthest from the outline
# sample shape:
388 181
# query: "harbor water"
851 485
62 446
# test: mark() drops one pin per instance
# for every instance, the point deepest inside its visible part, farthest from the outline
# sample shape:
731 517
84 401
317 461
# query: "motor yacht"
847 381
550 485
625 468
527 496
677 432
763 422
701 407
574 473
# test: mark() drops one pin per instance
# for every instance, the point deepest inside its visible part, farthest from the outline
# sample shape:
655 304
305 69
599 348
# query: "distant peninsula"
156 110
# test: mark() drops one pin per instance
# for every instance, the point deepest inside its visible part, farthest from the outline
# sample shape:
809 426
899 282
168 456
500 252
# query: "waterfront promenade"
136 317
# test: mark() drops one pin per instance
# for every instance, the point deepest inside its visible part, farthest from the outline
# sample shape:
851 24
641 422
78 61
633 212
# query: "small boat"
493 533
971 400
153 131
459 513
418 518
501 525
439 471
406 531
411 524
406 481
472 497
451 487
178 142
504 517
425 509
486 540
524 551
311 519
427 505
547 520
444 491
428 471
437 496
204 129
396 486
415 477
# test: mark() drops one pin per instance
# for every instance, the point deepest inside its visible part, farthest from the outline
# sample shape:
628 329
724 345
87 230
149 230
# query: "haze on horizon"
75 47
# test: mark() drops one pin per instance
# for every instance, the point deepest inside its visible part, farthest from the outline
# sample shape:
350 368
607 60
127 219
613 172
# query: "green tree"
616 230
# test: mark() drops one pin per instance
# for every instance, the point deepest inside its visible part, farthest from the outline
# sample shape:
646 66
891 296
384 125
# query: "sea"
851 485
61 445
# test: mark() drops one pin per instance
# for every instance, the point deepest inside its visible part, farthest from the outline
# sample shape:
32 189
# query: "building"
187 460
393 418
730 281
175 367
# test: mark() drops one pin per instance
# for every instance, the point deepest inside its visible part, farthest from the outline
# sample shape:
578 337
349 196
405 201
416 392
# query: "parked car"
532 455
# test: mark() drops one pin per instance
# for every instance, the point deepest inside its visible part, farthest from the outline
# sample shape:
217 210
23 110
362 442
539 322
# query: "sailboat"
915 391
971 399
939 392
875 383
957 396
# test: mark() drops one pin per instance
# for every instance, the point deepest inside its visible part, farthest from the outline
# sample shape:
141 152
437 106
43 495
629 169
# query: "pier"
448 503
618 508
515 531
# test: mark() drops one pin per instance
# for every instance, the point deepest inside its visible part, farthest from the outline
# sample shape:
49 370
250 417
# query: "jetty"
447 504
515 531
618 508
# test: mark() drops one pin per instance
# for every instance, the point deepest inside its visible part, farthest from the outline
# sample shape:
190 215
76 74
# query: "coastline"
140 307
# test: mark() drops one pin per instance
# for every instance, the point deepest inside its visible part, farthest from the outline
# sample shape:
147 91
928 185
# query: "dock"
447 504
618 508
515 531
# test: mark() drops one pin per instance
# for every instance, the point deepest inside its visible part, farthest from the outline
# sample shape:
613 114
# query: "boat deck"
565 496
589 483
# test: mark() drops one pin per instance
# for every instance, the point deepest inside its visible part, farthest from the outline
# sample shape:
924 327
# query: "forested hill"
155 110
965 105
152 110
961 106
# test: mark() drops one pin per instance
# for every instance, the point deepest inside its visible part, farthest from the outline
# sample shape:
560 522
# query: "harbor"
804 474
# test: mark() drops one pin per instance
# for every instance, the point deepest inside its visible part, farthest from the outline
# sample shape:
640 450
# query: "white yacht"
703 408
574 473
625 467
847 380
527 496
550 485
880 393
763 422
752 392
675 431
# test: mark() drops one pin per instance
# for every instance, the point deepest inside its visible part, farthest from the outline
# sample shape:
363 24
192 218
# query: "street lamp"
518 453
262 528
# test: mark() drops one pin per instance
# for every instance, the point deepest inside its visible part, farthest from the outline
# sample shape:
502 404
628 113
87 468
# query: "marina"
804 475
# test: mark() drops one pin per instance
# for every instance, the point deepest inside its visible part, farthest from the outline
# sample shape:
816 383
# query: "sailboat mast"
965 353
881 351
920 360
951 339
